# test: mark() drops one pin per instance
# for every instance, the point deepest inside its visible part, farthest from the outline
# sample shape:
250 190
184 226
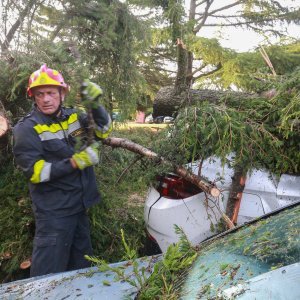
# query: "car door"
288 190
259 195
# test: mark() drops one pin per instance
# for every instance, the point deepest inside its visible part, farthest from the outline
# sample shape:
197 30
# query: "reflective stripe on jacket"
43 147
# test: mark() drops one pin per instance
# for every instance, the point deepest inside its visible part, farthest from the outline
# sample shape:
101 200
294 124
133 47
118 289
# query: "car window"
238 256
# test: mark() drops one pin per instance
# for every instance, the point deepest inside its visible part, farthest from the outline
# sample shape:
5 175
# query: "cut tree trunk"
3 126
4 136
5 133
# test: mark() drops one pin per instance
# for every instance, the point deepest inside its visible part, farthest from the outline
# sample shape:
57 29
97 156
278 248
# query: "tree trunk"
10 35
182 63
3 126
235 194
168 101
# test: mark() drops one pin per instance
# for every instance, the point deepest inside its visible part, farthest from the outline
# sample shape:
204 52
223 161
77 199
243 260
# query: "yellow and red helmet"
46 76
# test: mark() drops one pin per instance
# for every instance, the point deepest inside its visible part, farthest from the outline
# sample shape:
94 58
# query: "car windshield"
253 249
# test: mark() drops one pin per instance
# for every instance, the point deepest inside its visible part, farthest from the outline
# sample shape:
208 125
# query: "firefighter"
61 178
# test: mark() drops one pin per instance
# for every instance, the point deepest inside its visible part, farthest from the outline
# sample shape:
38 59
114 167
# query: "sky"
243 40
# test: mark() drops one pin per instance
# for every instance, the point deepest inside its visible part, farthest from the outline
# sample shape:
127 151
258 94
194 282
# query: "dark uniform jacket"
43 146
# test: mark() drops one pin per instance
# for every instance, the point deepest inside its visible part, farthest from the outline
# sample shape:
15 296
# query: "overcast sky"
241 39
244 40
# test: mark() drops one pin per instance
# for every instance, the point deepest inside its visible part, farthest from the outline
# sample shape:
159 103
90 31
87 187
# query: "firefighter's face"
47 98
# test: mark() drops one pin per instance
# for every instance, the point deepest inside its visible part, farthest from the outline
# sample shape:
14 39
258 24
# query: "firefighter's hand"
86 158
90 91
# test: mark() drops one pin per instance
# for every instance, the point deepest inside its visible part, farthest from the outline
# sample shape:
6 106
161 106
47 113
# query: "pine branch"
204 17
252 21
181 171
207 14
219 66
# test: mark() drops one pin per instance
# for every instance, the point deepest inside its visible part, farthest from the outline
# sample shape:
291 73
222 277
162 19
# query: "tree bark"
168 101
235 194
3 126
182 62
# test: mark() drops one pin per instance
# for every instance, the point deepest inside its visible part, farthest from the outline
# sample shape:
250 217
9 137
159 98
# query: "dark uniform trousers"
60 244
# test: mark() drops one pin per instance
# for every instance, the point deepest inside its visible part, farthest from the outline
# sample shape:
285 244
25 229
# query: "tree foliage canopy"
262 133
267 18
107 38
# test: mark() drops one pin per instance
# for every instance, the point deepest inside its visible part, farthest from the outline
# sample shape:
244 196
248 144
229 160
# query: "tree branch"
225 7
263 20
199 69
9 36
200 3
219 66
204 17
181 171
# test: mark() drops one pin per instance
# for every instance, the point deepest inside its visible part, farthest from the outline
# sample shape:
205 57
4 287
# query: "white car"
176 201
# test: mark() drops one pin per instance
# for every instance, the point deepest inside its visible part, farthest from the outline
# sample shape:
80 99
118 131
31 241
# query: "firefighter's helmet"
46 76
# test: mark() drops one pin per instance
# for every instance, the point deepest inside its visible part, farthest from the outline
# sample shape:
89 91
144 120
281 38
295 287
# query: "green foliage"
17 224
160 284
174 13
123 182
106 36
246 71
120 275
15 75
262 133
177 260
150 3
288 99
129 253
241 70
202 49
111 39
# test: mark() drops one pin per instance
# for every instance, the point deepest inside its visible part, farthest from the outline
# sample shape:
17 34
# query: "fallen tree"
168 102
261 129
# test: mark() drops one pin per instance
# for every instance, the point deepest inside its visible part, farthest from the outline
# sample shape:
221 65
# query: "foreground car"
87 283
260 260
176 201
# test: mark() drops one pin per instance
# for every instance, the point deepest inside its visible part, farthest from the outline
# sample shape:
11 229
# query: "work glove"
90 91
87 157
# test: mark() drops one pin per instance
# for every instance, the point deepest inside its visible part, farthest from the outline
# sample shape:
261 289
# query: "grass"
123 183
128 125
